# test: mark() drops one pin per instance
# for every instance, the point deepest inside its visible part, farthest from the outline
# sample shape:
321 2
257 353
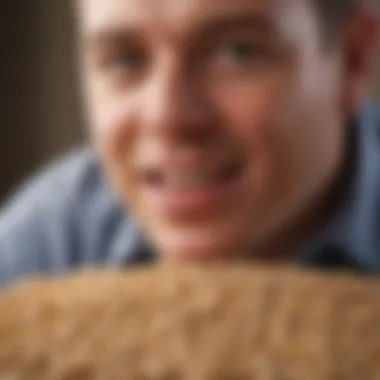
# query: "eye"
241 52
238 57
124 62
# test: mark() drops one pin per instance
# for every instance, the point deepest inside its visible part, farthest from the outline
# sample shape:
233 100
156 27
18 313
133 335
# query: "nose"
174 107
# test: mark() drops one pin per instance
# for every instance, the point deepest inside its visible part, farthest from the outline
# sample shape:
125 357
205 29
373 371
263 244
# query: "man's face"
217 120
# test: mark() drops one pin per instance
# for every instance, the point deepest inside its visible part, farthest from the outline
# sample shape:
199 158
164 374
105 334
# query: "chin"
199 246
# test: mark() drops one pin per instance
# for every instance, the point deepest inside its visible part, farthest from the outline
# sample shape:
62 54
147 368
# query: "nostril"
232 170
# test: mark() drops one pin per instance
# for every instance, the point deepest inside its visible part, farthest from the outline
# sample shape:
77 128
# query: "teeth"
186 180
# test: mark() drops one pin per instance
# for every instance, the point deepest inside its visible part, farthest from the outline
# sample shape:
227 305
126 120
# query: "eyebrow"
211 26
108 37
226 23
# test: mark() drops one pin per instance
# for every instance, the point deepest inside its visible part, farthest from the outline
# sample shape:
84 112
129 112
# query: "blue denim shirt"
67 218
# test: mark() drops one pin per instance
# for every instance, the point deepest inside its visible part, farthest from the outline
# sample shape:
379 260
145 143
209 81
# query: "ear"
358 42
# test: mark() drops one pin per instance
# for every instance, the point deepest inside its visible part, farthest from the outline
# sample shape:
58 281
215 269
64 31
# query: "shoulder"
370 116
55 186
366 217
58 217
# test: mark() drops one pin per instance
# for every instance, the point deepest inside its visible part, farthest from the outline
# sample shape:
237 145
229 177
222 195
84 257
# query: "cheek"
254 116
110 114
267 121
113 127
113 131
251 112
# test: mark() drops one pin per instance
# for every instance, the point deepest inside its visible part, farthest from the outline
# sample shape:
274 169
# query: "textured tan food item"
192 323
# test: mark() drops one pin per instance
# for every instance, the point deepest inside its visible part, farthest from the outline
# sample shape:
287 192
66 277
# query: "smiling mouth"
193 178
193 193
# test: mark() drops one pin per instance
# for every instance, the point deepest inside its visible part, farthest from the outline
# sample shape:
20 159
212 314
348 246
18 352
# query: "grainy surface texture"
192 324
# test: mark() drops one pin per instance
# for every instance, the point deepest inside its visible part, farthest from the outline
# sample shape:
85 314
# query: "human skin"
221 124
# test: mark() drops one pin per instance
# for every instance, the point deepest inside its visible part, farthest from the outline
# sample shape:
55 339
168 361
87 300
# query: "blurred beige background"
39 98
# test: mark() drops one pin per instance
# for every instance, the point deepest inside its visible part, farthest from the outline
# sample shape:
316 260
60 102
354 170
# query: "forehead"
178 15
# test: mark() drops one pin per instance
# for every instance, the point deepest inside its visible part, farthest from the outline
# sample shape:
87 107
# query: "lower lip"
196 201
